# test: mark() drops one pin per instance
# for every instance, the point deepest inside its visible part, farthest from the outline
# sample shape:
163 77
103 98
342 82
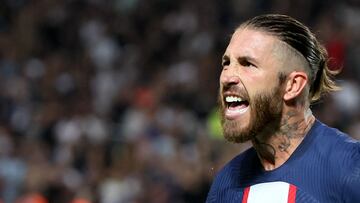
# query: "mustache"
232 88
236 89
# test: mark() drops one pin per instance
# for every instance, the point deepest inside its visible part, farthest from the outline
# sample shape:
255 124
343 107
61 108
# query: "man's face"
250 91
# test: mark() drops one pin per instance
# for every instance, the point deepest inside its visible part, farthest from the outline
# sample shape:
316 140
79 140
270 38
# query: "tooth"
233 99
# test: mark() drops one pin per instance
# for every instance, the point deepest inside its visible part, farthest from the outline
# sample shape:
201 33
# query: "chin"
235 133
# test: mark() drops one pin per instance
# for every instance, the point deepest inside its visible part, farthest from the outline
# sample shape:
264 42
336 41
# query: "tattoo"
283 146
290 128
287 127
261 143
264 150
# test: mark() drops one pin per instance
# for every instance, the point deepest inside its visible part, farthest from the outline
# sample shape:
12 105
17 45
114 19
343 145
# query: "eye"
246 63
225 62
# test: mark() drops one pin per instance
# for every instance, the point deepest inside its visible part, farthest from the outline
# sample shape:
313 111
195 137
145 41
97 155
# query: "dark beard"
266 110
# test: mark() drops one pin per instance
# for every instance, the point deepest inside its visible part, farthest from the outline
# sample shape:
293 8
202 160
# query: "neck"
276 149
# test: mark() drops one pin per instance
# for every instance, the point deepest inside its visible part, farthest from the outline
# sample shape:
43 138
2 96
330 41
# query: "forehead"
253 43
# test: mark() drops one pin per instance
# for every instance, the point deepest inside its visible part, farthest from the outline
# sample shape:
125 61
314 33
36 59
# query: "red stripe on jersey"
246 195
292 194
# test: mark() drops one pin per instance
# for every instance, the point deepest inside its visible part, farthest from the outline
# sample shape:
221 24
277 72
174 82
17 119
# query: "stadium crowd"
115 101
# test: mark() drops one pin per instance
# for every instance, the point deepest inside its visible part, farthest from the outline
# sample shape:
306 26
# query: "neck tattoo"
291 128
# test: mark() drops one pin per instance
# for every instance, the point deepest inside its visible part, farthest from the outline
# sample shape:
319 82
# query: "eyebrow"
240 58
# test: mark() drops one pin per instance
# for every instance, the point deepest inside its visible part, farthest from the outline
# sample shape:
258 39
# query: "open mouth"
236 105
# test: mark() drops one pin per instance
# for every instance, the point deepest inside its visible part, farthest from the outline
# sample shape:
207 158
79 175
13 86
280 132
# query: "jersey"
325 167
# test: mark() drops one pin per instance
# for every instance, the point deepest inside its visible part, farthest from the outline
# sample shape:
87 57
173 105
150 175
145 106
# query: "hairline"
284 45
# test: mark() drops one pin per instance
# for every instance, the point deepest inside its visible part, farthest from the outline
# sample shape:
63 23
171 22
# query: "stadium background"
114 101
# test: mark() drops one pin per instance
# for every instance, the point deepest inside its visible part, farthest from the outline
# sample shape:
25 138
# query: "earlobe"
295 85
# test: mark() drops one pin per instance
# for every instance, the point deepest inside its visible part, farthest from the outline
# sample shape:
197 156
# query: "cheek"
254 84
261 83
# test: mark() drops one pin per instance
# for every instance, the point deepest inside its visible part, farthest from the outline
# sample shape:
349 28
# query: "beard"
265 117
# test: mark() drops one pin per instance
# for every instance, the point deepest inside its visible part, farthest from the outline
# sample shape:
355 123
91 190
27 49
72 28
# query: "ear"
295 84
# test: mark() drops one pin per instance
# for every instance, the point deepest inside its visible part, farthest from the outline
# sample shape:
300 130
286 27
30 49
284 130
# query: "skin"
251 65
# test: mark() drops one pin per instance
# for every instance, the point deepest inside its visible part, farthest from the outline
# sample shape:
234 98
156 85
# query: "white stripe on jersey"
272 192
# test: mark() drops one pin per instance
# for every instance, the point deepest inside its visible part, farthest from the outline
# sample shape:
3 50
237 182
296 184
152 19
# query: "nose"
228 78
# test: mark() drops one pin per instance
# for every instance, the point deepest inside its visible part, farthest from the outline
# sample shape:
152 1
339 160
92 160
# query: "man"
273 68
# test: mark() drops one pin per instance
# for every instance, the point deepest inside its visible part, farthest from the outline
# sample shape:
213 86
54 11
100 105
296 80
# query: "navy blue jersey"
324 168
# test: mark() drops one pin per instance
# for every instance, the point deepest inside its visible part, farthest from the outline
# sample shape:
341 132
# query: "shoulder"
243 162
338 148
336 144
344 154
348 157
229 176
351 178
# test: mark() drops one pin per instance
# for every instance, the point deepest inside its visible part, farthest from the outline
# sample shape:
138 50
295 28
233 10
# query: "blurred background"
114 101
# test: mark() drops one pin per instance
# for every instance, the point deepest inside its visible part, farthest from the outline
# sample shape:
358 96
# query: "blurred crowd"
115 101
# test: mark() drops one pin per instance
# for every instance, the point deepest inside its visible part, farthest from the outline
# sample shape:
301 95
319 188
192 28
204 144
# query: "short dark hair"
299 37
